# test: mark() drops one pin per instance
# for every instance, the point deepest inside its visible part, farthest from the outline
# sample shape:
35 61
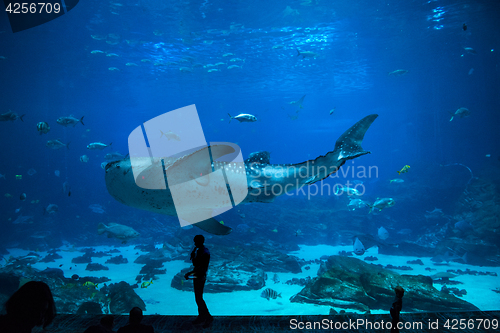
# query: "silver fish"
51 209
398 72
243 118
113 156
306 54
66 121
10 116
97 146
56 144
276 278
383 234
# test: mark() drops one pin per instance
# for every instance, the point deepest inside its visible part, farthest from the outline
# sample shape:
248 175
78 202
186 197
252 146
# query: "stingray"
262 177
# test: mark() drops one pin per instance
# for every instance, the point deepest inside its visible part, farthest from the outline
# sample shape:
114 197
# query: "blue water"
49 71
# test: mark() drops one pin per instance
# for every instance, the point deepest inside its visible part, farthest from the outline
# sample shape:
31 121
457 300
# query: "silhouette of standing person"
31 305
396 307
200 256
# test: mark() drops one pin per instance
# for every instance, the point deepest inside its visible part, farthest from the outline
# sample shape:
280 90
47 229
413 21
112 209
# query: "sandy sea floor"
160 298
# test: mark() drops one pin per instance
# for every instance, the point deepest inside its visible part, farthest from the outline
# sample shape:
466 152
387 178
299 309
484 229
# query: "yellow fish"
90 284
146 284
404 170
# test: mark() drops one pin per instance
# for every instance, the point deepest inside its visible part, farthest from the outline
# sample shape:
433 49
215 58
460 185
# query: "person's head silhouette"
135 315
31 305
199 240
399 291
107 321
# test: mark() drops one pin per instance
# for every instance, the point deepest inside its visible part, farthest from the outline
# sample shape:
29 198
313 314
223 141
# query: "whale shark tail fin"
349 143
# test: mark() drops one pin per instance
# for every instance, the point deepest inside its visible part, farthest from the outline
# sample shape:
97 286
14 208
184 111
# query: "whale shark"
265 181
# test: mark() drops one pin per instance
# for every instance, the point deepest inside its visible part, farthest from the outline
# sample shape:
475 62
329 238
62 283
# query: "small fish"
56 144
356 204
213 70
89 284
22 197
358 247
332 111
278 46
340 189
243 118
51 209
146 284
43 127
84 158
228 54
233 67
170 136
111 55
131 64
404 232
269 293
236 59
66 121
464 226
397 180
97 146
306 54
186 69
404 169
470 50
96 52
113 69
10 116
461 112
464 27
383 234
276 278
115 156
398 72
382 203
57 173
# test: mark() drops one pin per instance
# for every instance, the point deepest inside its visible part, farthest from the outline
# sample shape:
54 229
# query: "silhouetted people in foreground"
396 307
200 256
31 305
105 326
134 323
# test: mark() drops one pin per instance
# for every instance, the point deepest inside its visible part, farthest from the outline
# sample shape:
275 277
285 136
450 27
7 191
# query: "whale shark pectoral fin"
349 143
213 226
195 164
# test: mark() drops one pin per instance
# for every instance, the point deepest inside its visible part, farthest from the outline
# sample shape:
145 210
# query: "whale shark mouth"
261 175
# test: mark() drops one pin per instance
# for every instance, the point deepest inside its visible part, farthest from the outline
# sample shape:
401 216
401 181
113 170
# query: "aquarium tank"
327 151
